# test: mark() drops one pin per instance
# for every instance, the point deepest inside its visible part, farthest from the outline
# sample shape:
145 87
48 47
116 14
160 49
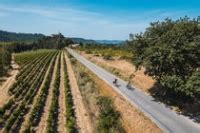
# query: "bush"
107 57
192 86
108 118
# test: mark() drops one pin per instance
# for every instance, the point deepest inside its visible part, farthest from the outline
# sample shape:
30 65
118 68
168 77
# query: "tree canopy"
18 37
56 41
170 52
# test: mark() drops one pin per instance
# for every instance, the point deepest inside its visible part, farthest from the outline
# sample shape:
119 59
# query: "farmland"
34 95
53 85
41 99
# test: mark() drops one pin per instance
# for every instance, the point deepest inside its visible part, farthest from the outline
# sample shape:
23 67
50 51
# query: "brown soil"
125 69
26 120
62 110
43 121
133 120
82 116
7 83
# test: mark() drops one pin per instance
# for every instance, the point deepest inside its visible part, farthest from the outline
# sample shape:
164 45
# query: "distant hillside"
82 40
6 36
12 36
90 41
110 41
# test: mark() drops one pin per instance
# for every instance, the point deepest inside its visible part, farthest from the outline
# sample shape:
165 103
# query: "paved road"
166 119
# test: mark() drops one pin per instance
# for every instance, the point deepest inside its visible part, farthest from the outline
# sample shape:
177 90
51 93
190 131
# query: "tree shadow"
180 103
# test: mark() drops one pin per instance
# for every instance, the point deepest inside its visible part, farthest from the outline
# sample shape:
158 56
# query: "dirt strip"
43 121
82 116
62 109
4 87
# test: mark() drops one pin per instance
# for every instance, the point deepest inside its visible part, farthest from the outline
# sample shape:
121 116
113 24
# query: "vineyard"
33 105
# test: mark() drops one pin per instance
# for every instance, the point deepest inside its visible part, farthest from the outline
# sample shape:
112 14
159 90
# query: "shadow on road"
183 106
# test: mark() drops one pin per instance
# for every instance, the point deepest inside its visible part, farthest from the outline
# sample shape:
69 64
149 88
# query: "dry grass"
133 120
88 91
83 120
124 69
7 83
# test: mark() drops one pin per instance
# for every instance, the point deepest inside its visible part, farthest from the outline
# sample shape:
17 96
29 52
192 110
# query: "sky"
91 19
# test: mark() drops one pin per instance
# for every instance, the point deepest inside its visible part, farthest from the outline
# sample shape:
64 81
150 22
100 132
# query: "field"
147 83
51 91
91 87
107 52
126 70
39 98
123 68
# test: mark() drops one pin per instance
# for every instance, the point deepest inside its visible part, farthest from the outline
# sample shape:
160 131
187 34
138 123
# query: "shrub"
107 57
108 118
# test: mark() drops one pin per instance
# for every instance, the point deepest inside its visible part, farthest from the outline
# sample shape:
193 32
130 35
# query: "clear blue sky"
93 19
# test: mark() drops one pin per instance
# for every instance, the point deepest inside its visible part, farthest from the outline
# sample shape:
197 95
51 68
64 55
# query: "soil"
62 110
26 120
43 121
82 116
7 83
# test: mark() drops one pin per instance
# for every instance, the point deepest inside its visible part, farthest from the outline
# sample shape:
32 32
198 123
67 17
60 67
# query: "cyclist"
115 81
129 80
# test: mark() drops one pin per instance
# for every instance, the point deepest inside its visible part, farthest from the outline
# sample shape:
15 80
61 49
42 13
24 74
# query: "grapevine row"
53 111
13 106
39 105
18 114
70 112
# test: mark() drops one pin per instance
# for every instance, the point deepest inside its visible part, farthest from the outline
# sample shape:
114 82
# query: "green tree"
1 63
170 52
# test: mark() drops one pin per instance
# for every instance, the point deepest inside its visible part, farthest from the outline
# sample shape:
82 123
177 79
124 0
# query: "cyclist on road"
129 80
115 81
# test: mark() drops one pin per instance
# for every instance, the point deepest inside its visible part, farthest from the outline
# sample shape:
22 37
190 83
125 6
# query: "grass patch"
101 109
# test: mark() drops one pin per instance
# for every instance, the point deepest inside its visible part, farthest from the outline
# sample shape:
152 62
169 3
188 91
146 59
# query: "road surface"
165 118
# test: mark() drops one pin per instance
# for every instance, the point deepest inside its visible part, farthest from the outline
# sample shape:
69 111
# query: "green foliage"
6 106
108 57
14 42
109 118
53 111
107 51
57 41
170 52
70 112
39 105
24 90
14 37
5 59
16 114
192 86
24 58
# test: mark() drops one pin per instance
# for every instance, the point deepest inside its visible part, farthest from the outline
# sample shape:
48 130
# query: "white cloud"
53 13
81 23
77 22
